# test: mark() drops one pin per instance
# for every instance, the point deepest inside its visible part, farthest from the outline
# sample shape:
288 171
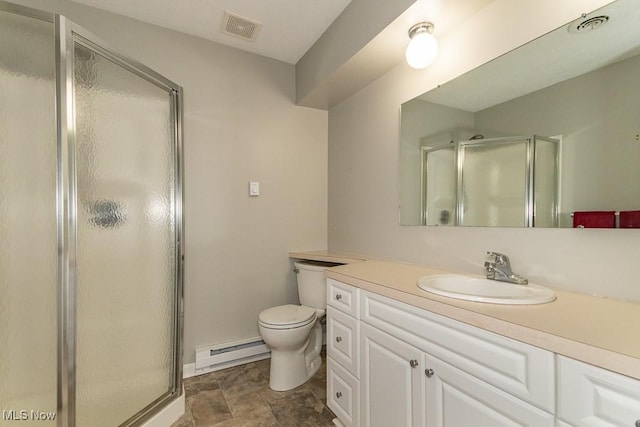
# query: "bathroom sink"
480 289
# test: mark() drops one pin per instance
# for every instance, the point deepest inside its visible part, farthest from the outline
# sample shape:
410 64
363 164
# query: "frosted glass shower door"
28 243
439 186
545 182
493 183
126 238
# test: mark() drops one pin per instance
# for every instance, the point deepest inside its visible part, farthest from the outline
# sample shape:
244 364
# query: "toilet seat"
287 316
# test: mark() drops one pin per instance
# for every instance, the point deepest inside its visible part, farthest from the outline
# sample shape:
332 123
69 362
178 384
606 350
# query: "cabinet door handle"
339 394
338 339
413 363
338 297
429 372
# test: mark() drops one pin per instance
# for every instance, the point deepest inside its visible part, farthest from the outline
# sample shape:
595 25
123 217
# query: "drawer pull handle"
413 363
339 394
429 372
338 297
338 339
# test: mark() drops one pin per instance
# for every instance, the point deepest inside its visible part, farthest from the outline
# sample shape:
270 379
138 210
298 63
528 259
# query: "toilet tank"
312 285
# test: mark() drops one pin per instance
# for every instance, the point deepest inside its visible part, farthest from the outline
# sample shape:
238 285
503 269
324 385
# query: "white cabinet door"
591 396
515 367
391 379
455 398
343 394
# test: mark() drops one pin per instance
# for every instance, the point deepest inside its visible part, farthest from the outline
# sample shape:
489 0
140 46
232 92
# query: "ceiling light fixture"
423 47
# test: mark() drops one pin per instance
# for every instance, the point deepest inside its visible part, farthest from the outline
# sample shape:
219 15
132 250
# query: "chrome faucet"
500 269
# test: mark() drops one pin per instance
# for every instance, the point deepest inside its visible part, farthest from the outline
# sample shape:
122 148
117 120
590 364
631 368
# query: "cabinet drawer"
455 398
343 297
342 340
591 396
515 367
343 393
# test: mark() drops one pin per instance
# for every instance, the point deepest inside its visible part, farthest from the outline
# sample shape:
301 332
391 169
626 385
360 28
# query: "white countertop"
326 256
596 330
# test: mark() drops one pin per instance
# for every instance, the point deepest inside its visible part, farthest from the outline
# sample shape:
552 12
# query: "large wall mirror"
547 135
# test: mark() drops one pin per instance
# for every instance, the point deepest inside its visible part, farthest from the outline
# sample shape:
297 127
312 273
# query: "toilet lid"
288 316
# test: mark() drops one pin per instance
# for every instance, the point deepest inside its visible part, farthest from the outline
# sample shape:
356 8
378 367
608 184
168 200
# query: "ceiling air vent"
240 27
584 25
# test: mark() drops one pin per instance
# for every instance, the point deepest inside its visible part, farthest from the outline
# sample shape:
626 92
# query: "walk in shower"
91 245
506 182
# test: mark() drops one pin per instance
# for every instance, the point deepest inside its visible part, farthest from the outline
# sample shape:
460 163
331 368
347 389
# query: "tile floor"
241 397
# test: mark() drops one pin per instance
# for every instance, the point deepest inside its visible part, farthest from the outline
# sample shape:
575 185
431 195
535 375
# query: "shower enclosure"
90 229
506 182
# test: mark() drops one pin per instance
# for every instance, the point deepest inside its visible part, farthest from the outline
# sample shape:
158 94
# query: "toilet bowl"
295 347
294 333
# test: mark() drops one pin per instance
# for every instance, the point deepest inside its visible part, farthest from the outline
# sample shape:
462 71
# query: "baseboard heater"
214 358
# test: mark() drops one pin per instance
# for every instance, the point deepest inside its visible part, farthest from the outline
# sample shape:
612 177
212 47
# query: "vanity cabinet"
343 353
408 373
343 394
392 384
390 363
591 396
455 398
342 340
519 369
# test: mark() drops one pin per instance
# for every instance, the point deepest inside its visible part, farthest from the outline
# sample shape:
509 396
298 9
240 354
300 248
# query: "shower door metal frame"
65 33
68 33
555 209
424 174
528 184
530 175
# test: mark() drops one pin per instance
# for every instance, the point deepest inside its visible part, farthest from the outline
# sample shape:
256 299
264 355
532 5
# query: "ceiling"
289 27
556 57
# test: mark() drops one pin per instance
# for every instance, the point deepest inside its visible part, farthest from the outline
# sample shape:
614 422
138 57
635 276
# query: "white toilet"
294 333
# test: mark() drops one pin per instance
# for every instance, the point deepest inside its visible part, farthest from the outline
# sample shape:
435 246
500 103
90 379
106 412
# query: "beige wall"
425 124
329 71
240 124
363 172
597 115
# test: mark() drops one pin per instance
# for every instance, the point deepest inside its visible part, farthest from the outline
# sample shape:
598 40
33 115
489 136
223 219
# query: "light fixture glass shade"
422 48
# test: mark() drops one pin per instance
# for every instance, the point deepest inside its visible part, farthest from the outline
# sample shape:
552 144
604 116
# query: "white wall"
429 125
597 115
329 71
363 171
240 124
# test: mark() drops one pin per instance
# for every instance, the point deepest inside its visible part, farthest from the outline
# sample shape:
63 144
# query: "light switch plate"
254 188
